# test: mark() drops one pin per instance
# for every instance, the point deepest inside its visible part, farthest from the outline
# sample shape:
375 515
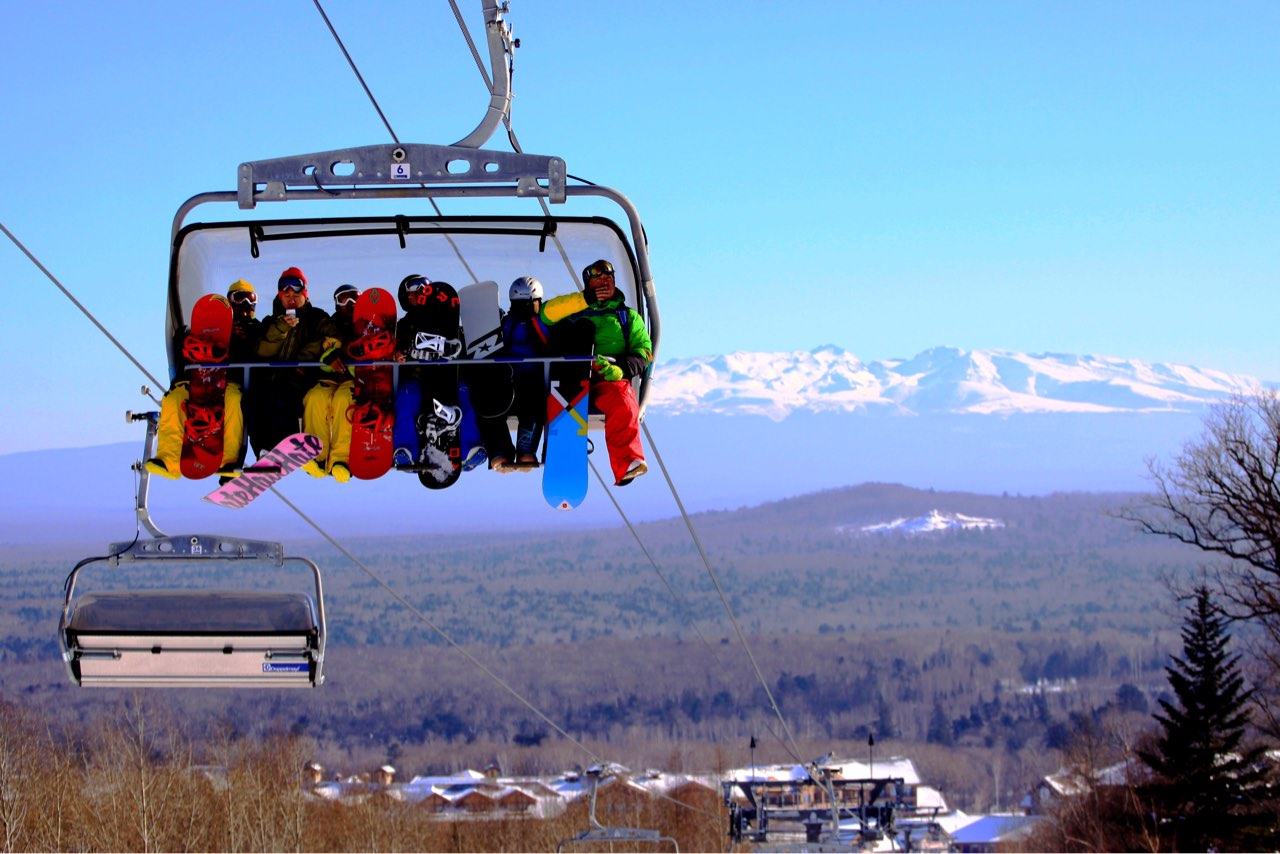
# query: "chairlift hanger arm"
397 164
498 35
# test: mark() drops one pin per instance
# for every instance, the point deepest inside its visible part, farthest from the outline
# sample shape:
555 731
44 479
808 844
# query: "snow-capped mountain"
941 380
931 522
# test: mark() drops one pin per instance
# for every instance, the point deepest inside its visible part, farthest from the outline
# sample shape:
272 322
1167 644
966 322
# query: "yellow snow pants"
170 429
324 415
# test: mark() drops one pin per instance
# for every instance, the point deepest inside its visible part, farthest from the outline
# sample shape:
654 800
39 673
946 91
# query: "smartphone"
290 312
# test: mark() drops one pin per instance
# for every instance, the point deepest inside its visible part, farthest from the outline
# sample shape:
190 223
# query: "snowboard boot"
155 465
475 458
635 470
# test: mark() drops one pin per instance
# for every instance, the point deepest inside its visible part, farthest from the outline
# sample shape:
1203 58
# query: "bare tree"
1220 495
18 757
141 776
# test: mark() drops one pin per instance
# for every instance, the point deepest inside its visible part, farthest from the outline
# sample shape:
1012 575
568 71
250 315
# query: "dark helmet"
598 268
525 288
340 294
414 290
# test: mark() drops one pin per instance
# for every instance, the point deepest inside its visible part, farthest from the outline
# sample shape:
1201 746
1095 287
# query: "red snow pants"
617 401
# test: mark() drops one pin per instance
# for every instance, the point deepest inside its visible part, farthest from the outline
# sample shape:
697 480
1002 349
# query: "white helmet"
525 287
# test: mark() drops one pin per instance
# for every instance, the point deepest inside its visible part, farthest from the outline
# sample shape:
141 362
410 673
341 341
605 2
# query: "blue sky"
1068 177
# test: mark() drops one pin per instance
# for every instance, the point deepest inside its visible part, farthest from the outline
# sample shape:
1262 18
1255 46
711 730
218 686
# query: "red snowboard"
207 343
373 412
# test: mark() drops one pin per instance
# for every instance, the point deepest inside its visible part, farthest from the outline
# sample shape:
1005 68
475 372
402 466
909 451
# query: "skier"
623 350
523 335
325 405
296 331
175 406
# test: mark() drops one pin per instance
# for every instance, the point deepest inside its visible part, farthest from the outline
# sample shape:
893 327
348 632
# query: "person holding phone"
296 331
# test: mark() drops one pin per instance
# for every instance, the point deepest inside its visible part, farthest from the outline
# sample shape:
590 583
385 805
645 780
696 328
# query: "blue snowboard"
564 468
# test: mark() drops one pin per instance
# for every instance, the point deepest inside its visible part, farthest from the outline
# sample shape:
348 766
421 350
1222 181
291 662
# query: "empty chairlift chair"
200 637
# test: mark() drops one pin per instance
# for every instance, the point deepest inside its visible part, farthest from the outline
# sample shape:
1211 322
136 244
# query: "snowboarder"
623 350
296 331
427 412
174 407
524 335
325 405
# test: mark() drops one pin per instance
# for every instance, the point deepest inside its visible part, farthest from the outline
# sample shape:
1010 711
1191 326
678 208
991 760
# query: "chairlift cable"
511 137
386 123
679 600
18 243
706 561
475 53
356 70
683 513
688 614
546 211
515 144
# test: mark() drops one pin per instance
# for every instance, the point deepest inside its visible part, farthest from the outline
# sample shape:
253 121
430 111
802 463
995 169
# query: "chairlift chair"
380 250
193 638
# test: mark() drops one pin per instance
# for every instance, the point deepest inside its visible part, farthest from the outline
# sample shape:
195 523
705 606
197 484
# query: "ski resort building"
878 804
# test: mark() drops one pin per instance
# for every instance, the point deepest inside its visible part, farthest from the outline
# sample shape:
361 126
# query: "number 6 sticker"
400 171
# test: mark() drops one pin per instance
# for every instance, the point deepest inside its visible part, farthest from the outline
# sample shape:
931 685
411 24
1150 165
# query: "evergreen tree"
940 729
1206 787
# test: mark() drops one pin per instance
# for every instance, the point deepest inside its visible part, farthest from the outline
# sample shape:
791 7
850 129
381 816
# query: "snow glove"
606 370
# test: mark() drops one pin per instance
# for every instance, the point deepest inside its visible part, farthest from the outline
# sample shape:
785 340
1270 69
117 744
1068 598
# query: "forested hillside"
920 640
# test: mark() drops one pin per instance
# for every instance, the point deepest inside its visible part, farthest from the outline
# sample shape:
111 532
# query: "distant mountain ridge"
942 380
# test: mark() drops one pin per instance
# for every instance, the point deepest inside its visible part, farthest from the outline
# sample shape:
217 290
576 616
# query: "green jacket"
619 331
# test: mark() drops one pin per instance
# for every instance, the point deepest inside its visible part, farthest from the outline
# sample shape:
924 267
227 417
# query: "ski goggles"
292 284
596 271
243 298
416 284
345 298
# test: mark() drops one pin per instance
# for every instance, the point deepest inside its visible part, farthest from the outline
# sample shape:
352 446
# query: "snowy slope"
941 380
932 522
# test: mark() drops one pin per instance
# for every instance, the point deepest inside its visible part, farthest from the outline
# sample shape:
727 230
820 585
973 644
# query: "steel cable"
791 748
